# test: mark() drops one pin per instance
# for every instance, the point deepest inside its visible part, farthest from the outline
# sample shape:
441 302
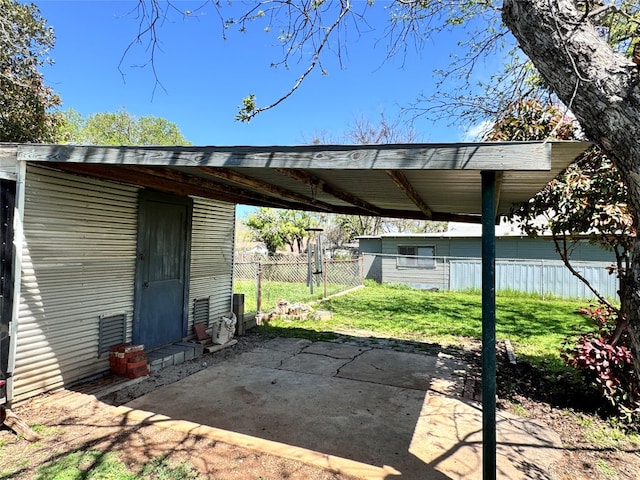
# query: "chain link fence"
265 280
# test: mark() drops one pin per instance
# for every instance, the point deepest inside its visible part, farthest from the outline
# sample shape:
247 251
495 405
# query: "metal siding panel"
465 274
79 252
212 243
518 275
543 277
559 281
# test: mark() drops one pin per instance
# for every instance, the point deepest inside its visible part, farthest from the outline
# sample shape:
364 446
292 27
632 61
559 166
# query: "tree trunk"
601 87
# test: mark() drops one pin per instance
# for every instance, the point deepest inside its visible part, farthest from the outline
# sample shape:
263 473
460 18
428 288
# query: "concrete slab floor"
364 411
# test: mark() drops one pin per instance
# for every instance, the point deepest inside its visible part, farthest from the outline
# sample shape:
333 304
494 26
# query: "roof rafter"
165 180
315 182
180 183
401 180
252 182
242 195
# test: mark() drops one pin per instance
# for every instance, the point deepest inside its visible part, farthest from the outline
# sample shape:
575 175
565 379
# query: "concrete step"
174 354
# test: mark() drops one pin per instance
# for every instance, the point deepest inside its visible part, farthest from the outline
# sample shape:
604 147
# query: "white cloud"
476 133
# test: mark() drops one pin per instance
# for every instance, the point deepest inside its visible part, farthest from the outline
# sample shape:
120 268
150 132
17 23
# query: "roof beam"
172 181
403 183
497 156
261 185
158 179
315 182
241 195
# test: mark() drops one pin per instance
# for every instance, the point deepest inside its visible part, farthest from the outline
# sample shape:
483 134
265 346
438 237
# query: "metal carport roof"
419 181
460 181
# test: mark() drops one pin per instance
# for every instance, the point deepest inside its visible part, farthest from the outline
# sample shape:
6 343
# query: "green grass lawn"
95 465
535 327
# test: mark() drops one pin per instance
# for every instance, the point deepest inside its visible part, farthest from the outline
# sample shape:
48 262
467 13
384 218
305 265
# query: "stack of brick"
128 360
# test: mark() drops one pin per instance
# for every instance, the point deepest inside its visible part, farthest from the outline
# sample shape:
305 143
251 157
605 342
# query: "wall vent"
201 311
113 330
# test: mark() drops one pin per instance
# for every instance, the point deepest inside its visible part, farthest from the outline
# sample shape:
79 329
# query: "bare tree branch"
301 35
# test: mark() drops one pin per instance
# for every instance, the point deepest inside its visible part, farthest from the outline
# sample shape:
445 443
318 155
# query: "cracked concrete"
358 410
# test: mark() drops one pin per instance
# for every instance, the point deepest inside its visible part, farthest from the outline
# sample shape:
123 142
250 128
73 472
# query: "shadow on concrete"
348 407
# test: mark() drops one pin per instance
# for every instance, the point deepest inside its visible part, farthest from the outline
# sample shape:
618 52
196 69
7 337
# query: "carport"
474 182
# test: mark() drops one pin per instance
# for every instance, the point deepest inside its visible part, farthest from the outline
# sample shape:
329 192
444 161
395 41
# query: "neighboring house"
451 261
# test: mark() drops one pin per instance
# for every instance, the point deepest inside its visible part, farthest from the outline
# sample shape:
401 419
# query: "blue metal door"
162 269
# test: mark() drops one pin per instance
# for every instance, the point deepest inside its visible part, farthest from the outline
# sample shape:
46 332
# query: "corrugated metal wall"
544 277
79 255
78 264
212 243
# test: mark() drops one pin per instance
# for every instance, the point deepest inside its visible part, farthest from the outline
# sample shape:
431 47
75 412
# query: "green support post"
488 326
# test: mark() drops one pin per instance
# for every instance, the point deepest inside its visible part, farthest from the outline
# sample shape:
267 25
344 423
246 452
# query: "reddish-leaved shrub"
607 367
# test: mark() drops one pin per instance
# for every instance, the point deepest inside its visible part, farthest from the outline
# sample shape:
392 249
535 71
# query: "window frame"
416 259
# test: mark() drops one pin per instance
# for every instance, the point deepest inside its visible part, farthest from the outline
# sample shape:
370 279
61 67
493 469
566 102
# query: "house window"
417 257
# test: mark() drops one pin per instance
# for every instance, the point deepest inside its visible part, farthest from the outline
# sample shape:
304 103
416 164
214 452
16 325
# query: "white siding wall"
212 241
78 264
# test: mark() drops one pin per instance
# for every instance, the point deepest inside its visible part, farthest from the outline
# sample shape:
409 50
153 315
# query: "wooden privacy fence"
273 273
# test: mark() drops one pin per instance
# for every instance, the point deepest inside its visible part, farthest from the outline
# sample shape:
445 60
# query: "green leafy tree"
277 228
118 128
293 228
69 126
352 226
531 119
26 103
263 225
586 202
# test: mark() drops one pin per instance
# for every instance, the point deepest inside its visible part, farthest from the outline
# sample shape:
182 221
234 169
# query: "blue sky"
205 77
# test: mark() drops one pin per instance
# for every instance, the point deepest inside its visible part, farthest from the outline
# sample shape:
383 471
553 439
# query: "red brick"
133 348
136 358
118 362
133 366
119 347
138 372
119 369
200 331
